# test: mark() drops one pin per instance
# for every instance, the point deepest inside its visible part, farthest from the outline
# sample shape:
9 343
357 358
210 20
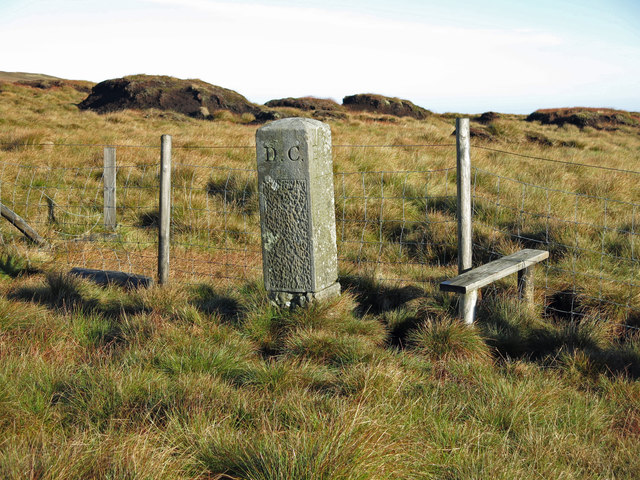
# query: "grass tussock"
317 392
206 379
448 339
345 448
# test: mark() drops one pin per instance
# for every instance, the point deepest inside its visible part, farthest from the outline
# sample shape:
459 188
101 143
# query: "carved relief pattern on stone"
287 233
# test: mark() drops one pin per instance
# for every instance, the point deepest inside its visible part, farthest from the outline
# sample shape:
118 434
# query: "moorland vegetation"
207 380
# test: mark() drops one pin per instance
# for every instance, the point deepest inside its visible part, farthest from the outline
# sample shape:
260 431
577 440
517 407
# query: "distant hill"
600 118
398 107
42 81
19 77
199 99
191 97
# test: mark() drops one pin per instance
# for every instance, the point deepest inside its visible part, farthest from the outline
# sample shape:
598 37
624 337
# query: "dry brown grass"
204 379
215 207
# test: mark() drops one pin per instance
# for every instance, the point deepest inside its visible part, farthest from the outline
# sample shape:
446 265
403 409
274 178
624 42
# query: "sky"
468 56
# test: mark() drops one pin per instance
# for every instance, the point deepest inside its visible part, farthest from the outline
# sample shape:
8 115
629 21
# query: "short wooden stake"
467 306
109 180
525 285
164 220
52 211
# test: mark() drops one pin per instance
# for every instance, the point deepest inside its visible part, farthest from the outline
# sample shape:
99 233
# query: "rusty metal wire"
593 242
392 226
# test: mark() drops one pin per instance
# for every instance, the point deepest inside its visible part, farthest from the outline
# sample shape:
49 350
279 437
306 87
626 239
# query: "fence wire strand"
392 226
591 239
551 160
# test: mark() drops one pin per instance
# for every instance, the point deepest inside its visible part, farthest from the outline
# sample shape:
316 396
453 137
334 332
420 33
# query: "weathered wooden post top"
297 214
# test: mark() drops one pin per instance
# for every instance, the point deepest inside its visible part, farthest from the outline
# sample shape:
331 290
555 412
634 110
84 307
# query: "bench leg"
525 285
467 307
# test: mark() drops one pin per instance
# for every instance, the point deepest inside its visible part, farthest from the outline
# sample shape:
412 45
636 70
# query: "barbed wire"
398 172
80 145
94 167
213 147
393 223
253 146
212 167
563 162
396 145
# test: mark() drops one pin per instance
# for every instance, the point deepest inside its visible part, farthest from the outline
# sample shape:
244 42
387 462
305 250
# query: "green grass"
171 386
207 380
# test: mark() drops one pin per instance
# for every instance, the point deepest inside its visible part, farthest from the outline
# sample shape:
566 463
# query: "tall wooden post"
164 221
468 301
109 180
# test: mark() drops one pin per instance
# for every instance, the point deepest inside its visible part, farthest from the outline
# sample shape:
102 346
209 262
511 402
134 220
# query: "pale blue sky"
465 56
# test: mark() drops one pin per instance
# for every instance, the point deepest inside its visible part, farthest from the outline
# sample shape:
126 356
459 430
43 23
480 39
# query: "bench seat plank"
492 271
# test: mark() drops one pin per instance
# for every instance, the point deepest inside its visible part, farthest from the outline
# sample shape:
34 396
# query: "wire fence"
390 225
215 232
593 243
398 227
64 205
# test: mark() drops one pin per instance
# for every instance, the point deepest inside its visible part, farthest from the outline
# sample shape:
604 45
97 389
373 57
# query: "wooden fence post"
19 222
109 179
164 220
468 301
526 285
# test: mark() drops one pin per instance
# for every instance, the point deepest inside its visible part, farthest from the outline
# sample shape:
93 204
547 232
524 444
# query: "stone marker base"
299 299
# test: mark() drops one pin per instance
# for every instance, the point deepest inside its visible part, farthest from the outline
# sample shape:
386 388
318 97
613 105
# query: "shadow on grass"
401 308
515 332
14 266
211 302
630 330
68 292
423 242
109 333
375 297
235 192
567 304
97 322
405 320
181 222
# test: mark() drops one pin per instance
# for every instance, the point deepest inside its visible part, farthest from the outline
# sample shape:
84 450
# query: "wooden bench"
521 262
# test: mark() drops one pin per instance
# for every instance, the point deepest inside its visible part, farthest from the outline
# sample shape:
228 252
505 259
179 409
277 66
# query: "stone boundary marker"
297 213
